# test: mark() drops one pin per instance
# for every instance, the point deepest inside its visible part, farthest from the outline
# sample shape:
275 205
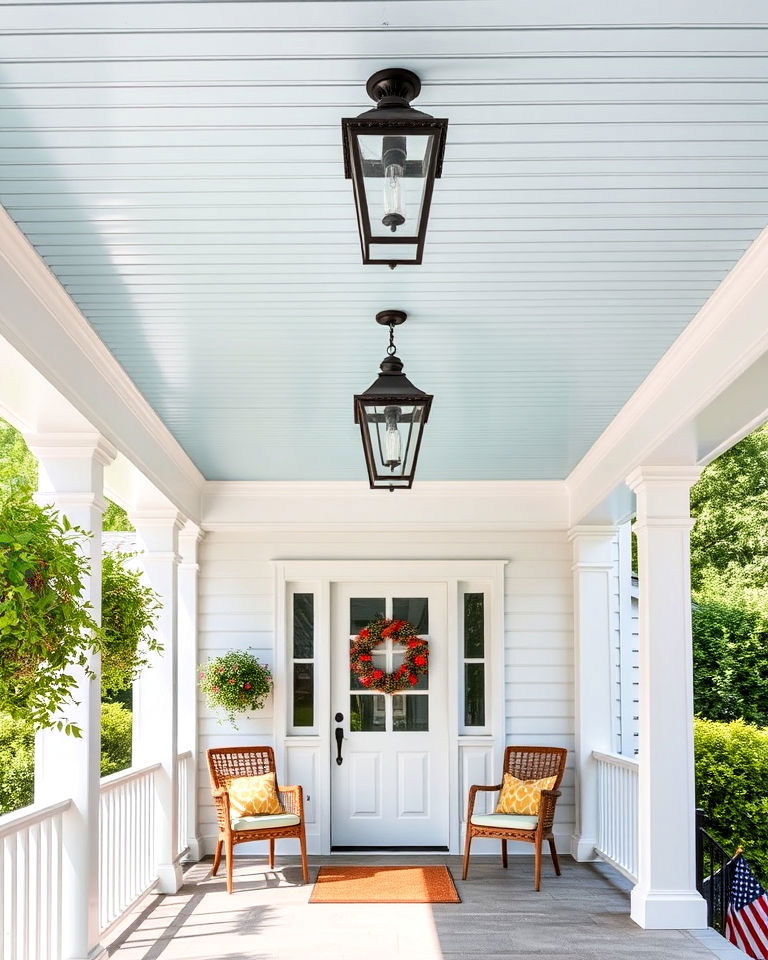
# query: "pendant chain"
391 348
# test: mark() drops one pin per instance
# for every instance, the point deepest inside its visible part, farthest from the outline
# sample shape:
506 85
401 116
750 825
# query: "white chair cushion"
505 821
266 821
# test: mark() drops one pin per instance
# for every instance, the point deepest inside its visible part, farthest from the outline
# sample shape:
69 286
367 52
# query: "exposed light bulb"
392 443
393 197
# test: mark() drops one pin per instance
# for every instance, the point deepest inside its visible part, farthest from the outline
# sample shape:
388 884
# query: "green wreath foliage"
236 682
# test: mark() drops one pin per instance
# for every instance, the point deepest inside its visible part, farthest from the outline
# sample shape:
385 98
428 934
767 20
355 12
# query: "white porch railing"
30 883
183 774
617 811
127 861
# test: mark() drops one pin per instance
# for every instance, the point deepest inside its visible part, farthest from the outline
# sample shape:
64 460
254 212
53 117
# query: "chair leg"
217 857
555 858
230 846
537 865
504 854
303 845
467 844
272 854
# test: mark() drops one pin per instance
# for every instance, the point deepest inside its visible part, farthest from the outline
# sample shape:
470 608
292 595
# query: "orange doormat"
384 885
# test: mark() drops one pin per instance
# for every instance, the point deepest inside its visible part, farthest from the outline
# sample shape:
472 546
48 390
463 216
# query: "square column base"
668 909
169 877
195 851
583 849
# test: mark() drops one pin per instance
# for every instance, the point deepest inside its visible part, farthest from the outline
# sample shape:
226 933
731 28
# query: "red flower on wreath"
413 666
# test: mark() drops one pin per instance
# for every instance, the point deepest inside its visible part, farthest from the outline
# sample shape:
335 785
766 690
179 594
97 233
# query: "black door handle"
339 740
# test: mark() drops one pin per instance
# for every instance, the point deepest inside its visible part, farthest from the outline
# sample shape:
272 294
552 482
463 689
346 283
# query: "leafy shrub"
235 683
730 639
128 616
116 734
17 753
17 763
46 627
731 778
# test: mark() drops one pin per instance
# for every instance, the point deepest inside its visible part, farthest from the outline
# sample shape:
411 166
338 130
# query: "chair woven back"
535 763
225 763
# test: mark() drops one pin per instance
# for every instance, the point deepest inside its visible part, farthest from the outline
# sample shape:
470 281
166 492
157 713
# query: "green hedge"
17 753
731 787
730 639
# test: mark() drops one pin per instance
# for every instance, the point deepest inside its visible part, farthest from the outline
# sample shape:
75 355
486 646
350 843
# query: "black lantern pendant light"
393 155
392 413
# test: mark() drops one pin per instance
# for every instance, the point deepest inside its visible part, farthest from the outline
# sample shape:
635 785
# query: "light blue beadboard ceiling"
178 165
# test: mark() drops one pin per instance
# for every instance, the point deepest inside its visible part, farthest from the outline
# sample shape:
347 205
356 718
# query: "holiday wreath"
407 674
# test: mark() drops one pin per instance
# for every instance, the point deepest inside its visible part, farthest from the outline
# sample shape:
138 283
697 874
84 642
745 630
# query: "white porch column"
665 896
71 480
595 610
155 694
189 539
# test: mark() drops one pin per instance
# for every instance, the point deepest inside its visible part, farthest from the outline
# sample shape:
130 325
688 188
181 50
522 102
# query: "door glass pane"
362 610
303 694
413 609
474 694
303 626
410 713
474 625
366 712
397 658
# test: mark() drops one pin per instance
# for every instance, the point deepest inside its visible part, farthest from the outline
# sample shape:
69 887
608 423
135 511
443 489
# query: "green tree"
730 503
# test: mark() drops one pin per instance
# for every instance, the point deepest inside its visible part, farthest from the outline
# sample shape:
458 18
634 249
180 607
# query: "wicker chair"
525 763
226 763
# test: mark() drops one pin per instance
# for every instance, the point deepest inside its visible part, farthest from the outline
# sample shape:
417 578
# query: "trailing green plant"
129 611
235 683
46 625
731 778
730 650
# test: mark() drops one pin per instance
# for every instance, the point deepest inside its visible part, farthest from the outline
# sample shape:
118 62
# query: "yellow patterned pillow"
253 796
522 796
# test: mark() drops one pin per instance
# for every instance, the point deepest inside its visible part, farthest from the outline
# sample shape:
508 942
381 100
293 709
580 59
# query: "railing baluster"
617 811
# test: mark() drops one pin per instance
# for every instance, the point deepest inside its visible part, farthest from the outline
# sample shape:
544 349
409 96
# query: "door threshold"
389 849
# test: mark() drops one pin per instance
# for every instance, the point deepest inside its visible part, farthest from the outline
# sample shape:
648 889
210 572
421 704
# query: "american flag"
746 923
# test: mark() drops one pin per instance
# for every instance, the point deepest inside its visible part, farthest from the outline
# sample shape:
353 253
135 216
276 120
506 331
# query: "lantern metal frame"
392 388
392 89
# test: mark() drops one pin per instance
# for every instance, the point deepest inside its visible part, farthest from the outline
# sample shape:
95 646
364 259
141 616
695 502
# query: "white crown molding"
62 446
725 338
26 266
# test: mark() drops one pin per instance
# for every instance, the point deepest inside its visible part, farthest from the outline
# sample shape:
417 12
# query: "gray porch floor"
579 916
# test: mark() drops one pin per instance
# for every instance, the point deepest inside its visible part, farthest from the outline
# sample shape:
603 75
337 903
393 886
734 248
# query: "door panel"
391 788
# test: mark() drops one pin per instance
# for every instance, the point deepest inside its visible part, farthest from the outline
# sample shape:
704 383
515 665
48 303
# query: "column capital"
189 538
593 546
66 446
685 475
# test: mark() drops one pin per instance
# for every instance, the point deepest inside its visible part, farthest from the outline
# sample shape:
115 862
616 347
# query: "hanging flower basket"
235 683
414 665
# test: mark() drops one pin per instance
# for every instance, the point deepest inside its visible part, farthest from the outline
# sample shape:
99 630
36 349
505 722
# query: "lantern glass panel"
393 431
394 169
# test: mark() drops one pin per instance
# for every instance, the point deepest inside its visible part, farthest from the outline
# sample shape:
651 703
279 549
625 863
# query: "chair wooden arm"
292 799
473 790
547 809
221 802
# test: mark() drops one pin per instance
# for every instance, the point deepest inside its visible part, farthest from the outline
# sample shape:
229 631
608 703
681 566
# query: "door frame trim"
318 575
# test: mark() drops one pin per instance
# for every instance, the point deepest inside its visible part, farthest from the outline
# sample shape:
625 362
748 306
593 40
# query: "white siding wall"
236 611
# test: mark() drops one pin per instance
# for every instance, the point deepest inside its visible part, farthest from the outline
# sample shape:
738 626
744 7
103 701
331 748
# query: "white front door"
391 788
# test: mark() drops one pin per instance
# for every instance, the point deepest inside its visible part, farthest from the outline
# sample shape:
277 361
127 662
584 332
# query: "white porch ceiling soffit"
178 166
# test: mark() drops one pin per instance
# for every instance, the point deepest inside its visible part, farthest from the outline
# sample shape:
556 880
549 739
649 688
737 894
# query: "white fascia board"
704 394
40 321
319 505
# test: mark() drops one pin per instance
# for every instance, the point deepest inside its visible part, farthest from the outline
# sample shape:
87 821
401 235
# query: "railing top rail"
11 823
616 760
125 776
184 756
